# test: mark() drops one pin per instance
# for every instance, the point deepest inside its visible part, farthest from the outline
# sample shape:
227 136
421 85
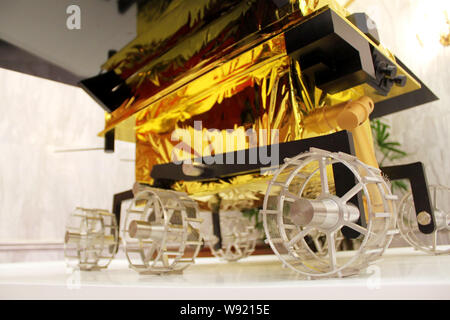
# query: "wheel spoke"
356 227
165 260
228 249
350 194
289 195
435 234
324 175
151 252
299 236
318 245
159 215
332 249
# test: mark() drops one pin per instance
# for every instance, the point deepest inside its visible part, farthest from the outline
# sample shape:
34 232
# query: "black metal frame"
335 57
166 175
110 138
252 161
108 89
215 212
117 202
415 173
344 181
20 60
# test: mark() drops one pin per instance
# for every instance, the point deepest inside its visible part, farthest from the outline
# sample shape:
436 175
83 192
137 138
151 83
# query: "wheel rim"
91 239
437 242
161 231
287 239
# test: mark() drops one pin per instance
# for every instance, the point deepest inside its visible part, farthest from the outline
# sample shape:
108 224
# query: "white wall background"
39 188
424 132
39 27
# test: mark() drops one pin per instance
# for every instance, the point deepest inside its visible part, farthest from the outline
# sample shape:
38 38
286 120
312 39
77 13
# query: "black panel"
334 56
415 172
108 89
331 53
345 180
110 141
117 205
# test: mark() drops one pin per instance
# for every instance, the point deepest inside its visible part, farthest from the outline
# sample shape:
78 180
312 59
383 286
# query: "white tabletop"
402 274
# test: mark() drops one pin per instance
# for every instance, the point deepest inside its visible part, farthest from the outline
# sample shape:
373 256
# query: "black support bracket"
107 89
110 138
250 161
344 182
216 223
415 173
167 174
117 202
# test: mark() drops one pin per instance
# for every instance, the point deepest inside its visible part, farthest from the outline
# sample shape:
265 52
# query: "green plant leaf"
399 184
391 150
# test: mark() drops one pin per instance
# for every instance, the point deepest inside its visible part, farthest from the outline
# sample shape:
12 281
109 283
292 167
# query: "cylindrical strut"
144 230
323 214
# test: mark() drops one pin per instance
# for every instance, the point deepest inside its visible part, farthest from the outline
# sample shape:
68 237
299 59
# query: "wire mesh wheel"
238 238
291 212
437 242
161 233
91 239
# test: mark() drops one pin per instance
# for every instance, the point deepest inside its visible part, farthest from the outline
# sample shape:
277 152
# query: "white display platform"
402 274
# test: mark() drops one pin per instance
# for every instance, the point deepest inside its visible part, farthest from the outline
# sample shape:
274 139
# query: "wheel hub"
144 230
294 187
325 214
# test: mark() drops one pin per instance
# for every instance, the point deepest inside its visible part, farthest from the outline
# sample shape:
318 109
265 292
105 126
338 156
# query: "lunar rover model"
255 104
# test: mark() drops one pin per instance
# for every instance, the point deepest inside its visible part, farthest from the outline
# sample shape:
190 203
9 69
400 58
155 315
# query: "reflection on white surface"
404 273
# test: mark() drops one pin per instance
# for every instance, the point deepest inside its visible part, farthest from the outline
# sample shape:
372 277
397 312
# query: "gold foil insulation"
180 40
222 64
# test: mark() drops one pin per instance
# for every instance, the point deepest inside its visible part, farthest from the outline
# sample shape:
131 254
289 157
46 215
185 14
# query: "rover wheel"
238 238
161 232
91 239
437 242
300 201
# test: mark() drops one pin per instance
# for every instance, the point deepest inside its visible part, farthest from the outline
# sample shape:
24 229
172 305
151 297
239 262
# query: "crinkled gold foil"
224 64
260 79
254 90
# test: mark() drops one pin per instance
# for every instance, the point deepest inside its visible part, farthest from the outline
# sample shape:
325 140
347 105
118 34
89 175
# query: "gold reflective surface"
222 64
